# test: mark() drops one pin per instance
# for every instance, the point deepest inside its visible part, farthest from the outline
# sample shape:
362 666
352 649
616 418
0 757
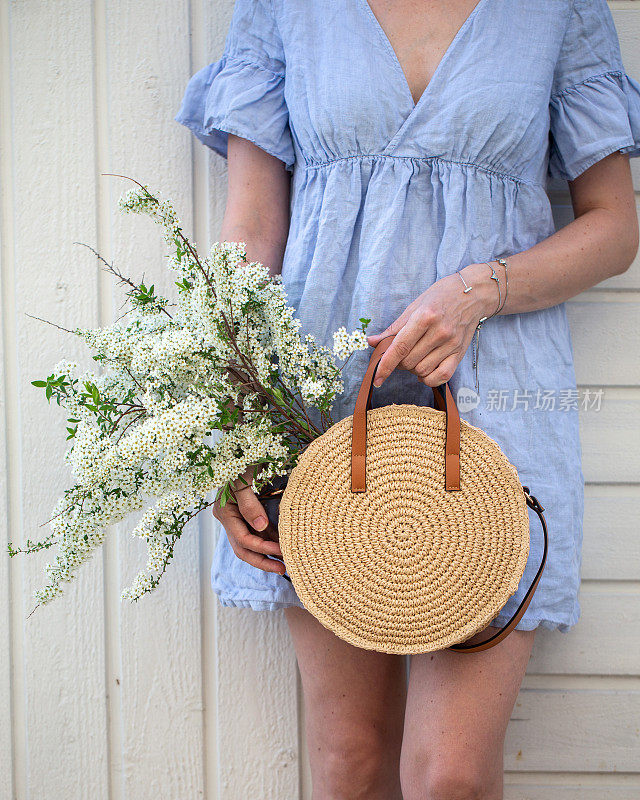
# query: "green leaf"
39 384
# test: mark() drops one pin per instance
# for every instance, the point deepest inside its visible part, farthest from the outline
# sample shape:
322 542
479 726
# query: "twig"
59 327
115 271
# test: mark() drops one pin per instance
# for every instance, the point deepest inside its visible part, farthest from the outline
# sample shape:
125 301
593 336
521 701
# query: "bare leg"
354 709
457 712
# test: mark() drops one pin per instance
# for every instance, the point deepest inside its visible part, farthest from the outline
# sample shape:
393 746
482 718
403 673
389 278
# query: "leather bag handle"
445 402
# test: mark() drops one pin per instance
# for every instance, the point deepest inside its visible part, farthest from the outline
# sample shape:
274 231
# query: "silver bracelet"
506 280
494 277
476 345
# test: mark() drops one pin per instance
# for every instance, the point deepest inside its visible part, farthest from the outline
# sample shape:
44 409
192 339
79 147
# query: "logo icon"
467 399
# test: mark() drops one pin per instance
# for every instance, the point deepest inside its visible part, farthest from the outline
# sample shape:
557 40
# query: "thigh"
459 705
354 698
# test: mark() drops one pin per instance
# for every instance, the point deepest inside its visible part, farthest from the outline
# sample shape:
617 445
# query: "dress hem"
563 626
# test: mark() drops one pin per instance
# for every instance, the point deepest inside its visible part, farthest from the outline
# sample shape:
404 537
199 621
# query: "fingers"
252 548
400 347
396 326
251 508
238 521
438 368
433 365
428 341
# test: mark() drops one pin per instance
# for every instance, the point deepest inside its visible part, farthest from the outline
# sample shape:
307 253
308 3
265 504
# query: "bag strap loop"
533 503
445 402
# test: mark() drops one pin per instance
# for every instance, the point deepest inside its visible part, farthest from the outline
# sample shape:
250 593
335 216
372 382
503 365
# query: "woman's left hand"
435 330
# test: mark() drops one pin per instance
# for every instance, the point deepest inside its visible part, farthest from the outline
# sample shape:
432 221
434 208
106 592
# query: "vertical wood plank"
160 635
54 205
11 699
257 713
8 414
257 698
203 203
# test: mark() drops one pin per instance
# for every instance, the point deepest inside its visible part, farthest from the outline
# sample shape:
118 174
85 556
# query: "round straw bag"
404 529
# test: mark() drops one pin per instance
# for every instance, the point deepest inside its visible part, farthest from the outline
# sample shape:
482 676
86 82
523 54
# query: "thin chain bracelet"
475 347
502 262
506 281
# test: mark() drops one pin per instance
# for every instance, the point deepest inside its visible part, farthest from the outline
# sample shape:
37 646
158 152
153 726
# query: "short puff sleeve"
594 106
243 92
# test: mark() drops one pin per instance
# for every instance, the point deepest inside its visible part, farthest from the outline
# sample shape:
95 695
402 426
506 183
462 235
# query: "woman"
374 150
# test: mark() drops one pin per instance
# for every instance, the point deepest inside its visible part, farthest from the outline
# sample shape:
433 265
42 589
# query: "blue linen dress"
389 195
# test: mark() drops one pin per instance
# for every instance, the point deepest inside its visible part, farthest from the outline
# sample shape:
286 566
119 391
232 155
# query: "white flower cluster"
344 344
185 402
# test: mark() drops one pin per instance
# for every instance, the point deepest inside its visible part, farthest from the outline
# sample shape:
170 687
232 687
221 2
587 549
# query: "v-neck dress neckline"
415 105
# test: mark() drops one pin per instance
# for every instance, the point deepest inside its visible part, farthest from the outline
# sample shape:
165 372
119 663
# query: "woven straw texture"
405 567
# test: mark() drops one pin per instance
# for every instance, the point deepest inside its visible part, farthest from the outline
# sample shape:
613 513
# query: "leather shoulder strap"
497 637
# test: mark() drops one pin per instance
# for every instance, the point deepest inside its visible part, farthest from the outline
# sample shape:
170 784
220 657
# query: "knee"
448 781
353 766
461 783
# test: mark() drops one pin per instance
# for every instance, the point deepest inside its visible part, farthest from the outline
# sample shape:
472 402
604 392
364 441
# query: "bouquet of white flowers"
189 396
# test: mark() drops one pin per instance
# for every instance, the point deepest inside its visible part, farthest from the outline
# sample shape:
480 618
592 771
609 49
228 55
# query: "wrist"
484 296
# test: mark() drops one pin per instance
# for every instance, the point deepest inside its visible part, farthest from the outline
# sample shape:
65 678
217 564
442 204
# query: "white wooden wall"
177 697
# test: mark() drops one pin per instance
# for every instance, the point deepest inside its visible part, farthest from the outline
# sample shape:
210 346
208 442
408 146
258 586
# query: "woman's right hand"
251 534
